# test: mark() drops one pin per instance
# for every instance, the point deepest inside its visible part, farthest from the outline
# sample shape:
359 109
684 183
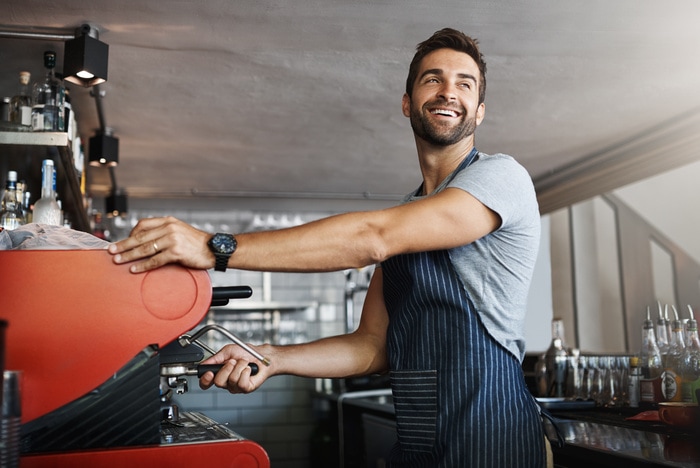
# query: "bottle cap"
24 77
634 361
12 176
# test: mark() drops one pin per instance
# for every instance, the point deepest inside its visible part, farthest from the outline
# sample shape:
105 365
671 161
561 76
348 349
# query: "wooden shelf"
56 143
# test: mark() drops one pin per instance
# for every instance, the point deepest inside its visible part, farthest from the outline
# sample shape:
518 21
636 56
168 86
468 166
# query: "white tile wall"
279 415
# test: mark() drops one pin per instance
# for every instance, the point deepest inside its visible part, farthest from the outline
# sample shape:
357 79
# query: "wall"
610 266
280 415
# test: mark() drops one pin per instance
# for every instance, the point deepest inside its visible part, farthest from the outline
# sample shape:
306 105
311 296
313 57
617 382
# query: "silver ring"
155 247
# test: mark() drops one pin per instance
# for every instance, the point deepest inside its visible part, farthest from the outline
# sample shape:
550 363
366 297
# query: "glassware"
662 336
633 382
690 363
650 364
21 103
46 209
49 99
670 378
573 376
556 359
11 215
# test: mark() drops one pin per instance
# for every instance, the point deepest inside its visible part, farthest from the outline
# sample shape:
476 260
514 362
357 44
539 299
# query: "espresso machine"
102 351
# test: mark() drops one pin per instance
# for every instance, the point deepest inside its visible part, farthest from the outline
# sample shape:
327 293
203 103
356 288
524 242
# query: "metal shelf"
58 139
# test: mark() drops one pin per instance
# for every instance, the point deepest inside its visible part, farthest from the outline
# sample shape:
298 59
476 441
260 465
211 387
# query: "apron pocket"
415 403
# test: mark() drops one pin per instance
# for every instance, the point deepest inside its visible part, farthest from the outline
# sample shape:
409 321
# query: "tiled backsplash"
279 415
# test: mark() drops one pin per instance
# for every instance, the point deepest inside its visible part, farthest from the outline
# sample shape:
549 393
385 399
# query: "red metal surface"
74 318
233 454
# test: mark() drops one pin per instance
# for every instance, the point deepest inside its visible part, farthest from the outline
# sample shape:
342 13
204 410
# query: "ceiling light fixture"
116 205
85 58
104 149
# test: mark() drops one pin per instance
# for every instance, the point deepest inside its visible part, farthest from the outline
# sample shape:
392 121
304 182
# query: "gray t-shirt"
496 270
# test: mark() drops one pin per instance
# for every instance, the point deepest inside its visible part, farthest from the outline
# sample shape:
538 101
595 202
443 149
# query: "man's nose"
448 91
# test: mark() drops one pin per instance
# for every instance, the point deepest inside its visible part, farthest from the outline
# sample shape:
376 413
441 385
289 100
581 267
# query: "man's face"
444 108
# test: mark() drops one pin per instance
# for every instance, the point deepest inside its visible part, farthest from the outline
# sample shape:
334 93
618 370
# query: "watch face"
223 243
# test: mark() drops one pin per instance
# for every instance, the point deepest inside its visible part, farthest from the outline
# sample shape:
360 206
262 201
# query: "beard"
441 134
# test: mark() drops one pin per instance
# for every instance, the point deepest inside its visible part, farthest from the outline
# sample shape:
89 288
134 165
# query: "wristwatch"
222 246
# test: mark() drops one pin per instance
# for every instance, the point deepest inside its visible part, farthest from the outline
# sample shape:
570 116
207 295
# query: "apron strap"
559 441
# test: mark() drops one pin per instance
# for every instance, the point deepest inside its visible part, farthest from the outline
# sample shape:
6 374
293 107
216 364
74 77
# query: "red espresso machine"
90 340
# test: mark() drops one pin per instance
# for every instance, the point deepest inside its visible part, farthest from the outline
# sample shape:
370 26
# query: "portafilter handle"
177 370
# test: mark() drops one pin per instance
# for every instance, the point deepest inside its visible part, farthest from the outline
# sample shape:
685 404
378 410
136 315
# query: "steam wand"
186 340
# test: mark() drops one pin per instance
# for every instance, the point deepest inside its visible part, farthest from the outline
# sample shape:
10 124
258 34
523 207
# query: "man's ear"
480 113
406 105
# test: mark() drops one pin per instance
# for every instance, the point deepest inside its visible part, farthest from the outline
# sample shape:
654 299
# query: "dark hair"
448 38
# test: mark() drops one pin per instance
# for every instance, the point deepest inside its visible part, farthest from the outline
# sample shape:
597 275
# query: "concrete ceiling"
229 98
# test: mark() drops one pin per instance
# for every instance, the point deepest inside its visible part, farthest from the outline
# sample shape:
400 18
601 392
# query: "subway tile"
269 416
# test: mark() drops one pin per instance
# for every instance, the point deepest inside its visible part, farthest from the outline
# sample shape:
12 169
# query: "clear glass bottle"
21 103
49 99
555 361
650 364
670 378
662 336
690 363
11 215
633 382
46 209
27 207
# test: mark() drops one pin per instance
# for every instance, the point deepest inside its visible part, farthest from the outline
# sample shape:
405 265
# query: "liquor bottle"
670 378
46 209
690 363
555 361
662 336
49 99
27 207
633 382
68 117
21 103
11 216
650 363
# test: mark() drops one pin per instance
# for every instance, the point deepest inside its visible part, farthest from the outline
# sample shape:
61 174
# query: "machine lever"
222 294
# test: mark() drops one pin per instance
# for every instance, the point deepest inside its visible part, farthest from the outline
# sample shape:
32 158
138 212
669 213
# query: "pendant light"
85 58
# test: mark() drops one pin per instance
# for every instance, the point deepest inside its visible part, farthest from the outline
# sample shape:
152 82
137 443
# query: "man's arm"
359 353
352 240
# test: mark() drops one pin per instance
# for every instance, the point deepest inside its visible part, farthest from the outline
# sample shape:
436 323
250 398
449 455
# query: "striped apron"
460 397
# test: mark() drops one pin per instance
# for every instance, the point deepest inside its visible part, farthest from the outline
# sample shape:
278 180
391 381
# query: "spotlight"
104 149
116 205
85 58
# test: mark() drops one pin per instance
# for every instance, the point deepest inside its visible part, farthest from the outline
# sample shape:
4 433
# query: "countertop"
594 436
606 437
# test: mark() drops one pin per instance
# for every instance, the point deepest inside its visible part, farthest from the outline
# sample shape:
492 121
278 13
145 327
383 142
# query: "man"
444 311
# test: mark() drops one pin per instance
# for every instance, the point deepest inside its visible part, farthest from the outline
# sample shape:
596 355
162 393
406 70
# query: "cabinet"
24 151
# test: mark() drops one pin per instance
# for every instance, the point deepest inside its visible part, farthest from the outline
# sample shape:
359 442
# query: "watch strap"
221 261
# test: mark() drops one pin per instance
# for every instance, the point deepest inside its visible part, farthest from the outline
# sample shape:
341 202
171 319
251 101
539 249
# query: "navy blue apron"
460 397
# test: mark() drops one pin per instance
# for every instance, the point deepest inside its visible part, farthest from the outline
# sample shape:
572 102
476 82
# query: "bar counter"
605 437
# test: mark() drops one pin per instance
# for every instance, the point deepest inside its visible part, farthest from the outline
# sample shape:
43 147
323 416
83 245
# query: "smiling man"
444 312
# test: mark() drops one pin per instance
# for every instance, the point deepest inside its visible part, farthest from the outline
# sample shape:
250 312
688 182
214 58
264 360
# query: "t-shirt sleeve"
501 184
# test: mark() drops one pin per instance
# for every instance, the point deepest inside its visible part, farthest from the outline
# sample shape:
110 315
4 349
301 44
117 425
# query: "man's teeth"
444 112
